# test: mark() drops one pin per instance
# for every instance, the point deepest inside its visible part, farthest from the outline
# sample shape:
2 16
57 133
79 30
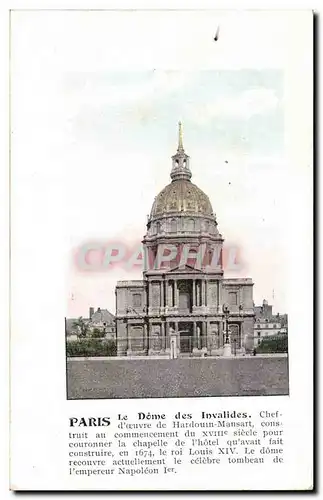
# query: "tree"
278 344
97 333
91 348
82 327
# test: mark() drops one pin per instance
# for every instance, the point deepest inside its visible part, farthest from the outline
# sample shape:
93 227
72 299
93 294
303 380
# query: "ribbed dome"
181 196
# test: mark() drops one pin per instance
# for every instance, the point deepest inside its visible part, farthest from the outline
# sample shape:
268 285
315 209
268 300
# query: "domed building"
183 294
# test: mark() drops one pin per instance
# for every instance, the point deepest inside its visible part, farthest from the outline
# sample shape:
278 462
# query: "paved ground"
164 378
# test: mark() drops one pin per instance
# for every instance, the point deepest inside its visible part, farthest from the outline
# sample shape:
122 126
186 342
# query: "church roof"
181 195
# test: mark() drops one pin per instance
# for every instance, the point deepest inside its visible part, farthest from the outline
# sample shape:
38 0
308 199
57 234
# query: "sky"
125 124
94 120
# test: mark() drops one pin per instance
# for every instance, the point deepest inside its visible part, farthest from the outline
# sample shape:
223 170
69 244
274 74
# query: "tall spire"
181 169
180 137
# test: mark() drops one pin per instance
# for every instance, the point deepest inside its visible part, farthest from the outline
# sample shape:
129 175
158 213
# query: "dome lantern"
181 168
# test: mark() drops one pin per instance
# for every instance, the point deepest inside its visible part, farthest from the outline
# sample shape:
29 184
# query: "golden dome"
181 195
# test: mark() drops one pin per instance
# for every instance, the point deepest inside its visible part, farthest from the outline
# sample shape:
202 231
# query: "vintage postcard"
161 166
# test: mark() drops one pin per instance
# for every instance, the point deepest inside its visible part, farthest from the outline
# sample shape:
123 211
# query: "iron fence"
184 345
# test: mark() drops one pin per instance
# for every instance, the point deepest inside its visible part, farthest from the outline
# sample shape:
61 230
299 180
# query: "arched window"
233 299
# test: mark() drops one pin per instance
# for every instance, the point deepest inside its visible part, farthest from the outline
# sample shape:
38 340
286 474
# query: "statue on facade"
198 336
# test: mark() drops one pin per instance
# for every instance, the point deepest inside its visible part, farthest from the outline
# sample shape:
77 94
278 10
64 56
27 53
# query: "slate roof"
103 315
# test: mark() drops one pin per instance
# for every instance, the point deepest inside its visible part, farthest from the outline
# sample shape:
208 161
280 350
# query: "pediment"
185 269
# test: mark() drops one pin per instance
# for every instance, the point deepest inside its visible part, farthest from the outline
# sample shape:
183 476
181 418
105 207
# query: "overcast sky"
125 129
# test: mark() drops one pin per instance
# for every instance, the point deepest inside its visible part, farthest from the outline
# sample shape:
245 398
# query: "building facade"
183 289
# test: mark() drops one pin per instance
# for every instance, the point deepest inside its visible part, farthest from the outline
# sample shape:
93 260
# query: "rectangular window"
233 300
136 300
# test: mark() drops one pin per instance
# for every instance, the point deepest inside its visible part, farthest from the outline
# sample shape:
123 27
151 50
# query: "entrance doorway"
185 331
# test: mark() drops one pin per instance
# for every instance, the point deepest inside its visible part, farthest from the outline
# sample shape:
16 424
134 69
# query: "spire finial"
180 169
180 137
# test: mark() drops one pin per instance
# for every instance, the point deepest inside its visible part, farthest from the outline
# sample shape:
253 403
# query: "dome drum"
183 225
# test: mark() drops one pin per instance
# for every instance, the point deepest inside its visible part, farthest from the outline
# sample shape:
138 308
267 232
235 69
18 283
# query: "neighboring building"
186 298
267 323
101 319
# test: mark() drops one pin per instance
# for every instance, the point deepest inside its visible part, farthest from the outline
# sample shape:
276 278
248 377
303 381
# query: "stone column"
177 339
162 298
163 337
208 333
149 293
170 293
205 300
219 296
203 339
198 334
166 293
175 294
145 337
195 342
219 334
167 335
241 334
194 295
129 338
203 292
148 335
145 258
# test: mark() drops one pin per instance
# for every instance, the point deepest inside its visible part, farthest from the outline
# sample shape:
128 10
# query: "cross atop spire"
180 137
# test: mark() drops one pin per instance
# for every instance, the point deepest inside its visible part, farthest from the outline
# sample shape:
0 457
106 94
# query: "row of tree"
91 347
83 329
273 344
